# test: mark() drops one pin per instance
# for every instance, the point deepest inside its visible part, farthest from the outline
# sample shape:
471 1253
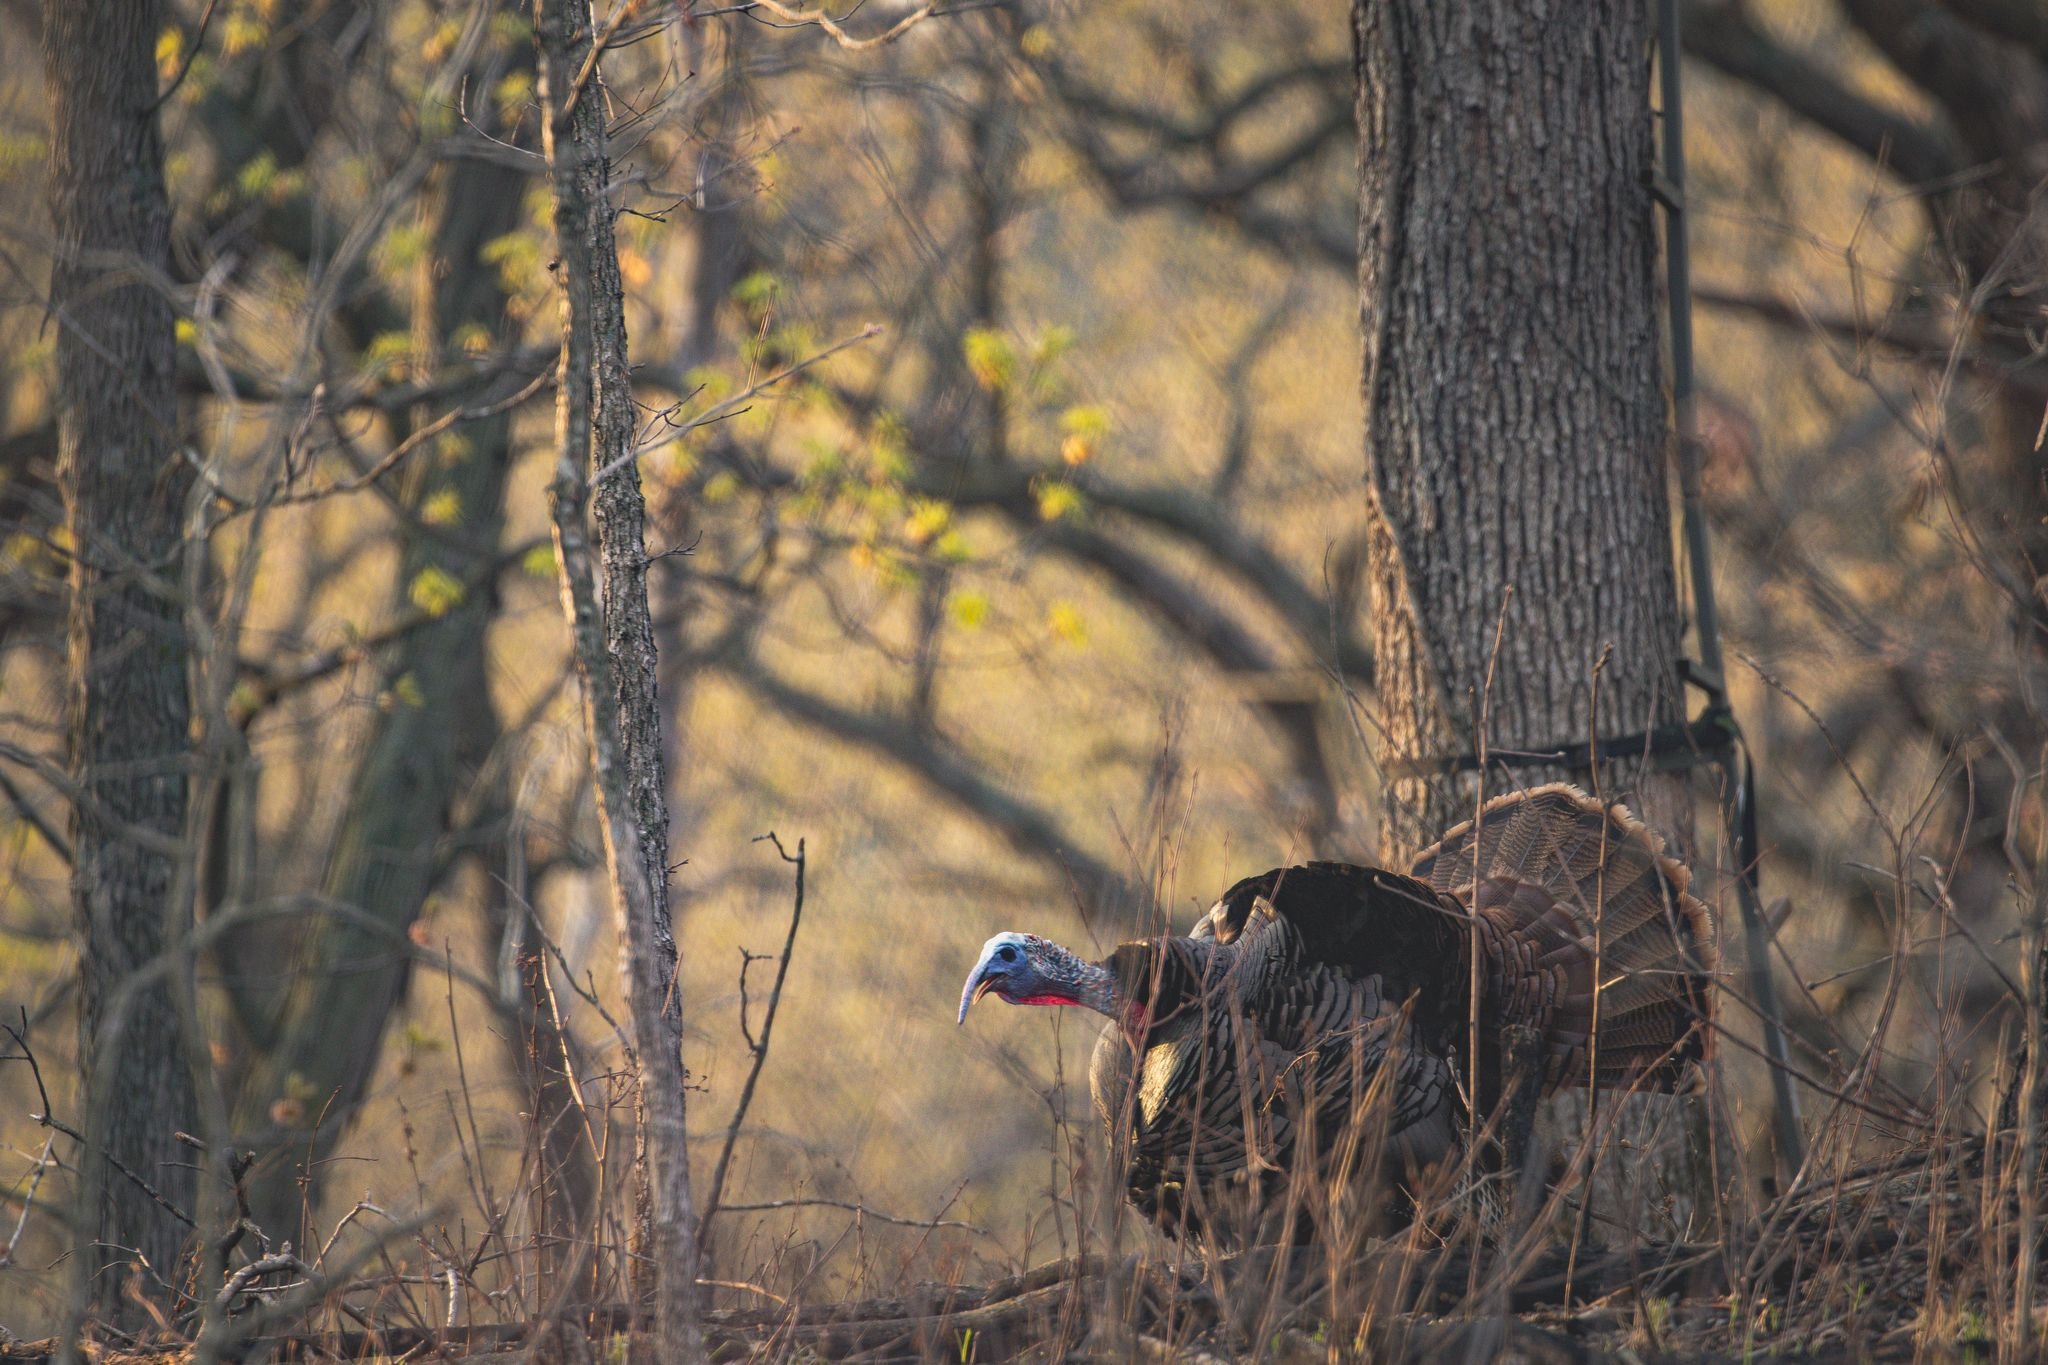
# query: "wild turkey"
1316 1018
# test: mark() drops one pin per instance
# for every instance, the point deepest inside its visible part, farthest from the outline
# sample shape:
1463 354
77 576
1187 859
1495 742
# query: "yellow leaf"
1089 420
442 41
970 609
1057 498
539 562
443 507
634 268
953 547
1064 620
1075 450
1035 41
387 350
186 330
989 358
928 517
513 93
407 690
255 177
242 33
435 591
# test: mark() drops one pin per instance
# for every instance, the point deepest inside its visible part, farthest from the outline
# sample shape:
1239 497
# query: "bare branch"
861 1209
1722 36
1024 825
793 18
759 1047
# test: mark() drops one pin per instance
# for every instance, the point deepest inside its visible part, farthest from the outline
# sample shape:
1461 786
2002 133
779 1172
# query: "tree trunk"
1516 429
1520 544
614 644
351 977
124 496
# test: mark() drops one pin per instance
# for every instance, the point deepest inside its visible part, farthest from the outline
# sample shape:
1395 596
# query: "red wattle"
1047 1000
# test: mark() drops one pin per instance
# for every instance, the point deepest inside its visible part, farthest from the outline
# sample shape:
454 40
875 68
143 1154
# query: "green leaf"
256 174
387 350
952 547
405 245
970 609
435 591
929 517
1064 620
1057 498
242 32
757 290
443 507
1088 420
539 562
989 357
517 257
19 151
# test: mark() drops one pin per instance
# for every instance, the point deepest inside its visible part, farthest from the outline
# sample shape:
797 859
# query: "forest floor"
1639 1305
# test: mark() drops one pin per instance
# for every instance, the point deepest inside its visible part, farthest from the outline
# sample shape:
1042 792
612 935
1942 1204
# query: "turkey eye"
1006 954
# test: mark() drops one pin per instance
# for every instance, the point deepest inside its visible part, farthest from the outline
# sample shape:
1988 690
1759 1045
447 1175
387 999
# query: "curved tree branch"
934 762
1976 78
1722 36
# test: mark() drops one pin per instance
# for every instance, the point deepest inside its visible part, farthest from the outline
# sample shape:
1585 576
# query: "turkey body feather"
1317 1019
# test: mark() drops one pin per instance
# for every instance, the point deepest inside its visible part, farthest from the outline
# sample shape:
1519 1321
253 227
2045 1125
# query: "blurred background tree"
1047 601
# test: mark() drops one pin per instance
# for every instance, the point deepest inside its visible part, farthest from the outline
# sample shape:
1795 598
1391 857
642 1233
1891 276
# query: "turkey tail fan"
1540 868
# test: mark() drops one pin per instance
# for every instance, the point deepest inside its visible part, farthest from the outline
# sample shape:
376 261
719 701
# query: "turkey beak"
984 978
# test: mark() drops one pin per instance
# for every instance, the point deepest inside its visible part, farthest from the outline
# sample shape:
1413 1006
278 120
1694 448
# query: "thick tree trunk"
605 598
1516 427
1520 555
350 976
124 494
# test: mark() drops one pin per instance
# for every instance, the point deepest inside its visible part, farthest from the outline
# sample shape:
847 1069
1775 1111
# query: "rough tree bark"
614 643
1516 428
124 492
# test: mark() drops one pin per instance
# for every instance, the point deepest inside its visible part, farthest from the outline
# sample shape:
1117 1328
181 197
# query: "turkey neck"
1157 982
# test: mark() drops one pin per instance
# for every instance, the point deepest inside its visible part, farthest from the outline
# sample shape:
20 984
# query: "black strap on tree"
1738 777
1714 738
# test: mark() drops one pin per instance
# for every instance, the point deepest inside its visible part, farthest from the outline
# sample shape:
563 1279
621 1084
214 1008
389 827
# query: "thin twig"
760 1048
48 1120
198 41
850 1207
728 408
43 1164
829 26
